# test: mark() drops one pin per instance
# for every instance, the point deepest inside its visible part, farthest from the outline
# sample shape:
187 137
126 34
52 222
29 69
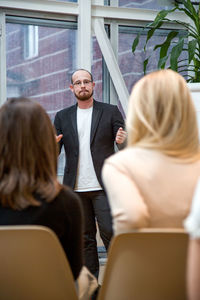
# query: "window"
43 77
131 66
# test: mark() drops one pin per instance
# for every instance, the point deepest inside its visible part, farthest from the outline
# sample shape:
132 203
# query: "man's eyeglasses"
85 82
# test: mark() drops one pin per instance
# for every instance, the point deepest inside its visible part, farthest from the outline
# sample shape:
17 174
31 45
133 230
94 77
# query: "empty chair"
148 264
33 265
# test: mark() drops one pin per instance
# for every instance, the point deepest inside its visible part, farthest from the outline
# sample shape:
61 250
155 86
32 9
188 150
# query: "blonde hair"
161 115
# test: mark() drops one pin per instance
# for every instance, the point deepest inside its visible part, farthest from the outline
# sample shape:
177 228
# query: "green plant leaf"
196 63
162 61
189 40
152 30
145 63
191 29
165 46
193 16
160 17
135 42
164 49
175 53
191 49
190 7
157 23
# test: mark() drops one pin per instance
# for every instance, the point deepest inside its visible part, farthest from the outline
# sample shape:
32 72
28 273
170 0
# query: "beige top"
148 189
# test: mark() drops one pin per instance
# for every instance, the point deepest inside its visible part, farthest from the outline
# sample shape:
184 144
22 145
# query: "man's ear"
93 84
71 87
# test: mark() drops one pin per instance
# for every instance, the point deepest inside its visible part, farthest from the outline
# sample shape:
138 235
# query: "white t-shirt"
192 222
86 179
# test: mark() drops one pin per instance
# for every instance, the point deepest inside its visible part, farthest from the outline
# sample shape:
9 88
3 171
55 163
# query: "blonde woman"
151 182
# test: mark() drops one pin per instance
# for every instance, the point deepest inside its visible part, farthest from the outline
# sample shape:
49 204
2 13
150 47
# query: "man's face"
82 86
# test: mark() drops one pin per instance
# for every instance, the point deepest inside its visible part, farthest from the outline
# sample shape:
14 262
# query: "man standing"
88 131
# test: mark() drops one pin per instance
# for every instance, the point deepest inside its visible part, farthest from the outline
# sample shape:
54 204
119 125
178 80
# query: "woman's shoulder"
134 154
68 197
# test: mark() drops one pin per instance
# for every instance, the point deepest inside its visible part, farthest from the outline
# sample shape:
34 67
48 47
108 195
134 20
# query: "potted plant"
175 43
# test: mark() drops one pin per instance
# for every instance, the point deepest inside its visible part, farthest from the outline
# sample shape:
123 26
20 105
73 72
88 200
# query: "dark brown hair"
28 154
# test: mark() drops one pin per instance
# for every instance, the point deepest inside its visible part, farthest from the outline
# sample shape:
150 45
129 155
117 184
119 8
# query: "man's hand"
120 136
59 137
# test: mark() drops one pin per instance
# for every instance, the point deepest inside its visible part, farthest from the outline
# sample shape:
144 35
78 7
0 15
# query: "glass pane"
147 4
40 61
97 70
131 65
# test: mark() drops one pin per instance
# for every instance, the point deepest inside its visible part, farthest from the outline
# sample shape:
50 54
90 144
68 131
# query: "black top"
63 215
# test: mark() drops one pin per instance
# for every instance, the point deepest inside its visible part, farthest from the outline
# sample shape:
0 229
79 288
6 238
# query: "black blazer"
106 120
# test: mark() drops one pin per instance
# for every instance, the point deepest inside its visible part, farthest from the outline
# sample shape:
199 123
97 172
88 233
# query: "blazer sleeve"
58 128
117 121
128 208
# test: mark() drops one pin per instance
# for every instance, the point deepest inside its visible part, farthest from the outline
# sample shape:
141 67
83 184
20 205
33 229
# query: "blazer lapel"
73 116
96 114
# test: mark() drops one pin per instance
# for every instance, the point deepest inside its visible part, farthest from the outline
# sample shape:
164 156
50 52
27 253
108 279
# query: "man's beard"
83 96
